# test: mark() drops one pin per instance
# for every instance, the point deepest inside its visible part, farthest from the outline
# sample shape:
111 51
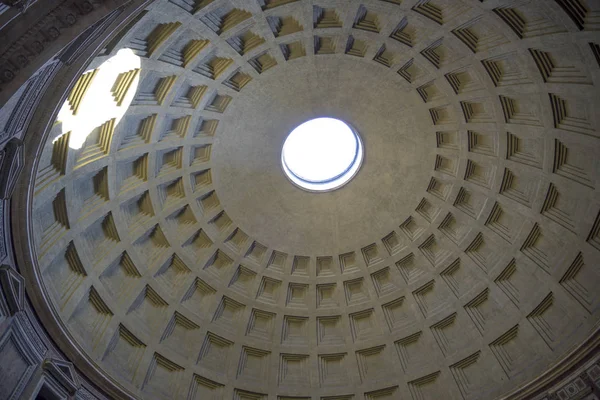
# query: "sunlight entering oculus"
99 99
322 154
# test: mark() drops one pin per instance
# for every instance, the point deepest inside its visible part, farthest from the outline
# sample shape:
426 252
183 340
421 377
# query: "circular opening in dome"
322 154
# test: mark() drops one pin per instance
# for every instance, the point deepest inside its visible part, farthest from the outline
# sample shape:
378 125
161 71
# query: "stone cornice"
21 5
34 37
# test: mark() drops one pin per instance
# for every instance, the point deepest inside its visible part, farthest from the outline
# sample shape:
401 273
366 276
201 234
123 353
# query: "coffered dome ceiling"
460 262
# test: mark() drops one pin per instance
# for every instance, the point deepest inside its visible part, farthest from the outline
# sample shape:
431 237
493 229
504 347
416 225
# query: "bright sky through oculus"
322 154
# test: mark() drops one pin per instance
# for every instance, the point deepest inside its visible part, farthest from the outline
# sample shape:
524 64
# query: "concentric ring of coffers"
490 274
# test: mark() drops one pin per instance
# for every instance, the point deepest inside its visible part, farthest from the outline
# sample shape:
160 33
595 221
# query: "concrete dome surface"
173 258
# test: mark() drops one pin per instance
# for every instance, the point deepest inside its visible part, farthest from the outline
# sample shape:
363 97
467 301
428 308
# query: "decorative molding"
31 334
81 42
21 5
12 290
3 250
11 165
23 110
34 40
16 339
63 372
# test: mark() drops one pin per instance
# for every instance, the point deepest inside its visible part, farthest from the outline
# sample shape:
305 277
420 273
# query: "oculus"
322 154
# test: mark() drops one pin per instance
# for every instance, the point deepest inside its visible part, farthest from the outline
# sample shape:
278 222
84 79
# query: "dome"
186 243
